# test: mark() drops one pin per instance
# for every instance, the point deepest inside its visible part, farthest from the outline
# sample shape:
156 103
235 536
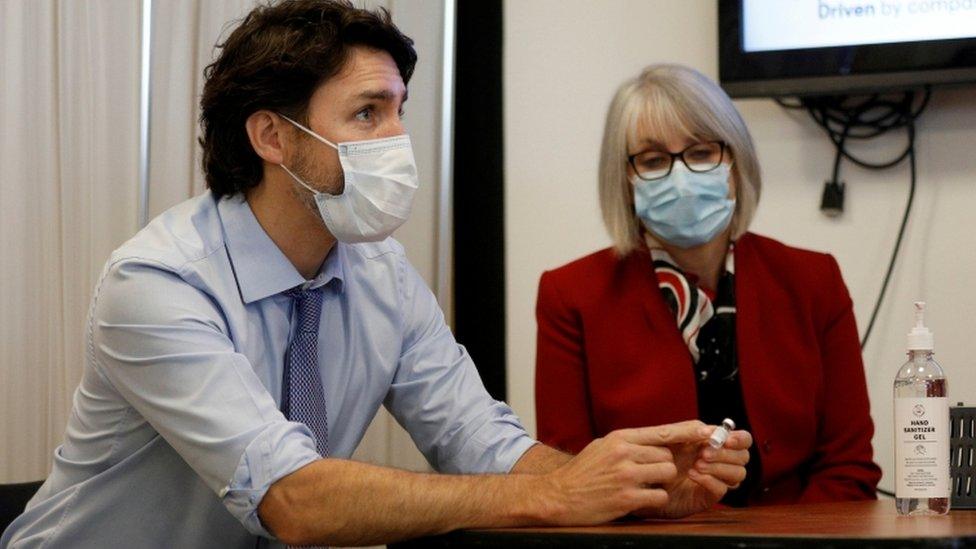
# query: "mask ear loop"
299 180
316 136
738 189
310 132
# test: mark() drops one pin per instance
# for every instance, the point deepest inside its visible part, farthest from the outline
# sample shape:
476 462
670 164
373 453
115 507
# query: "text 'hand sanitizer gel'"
921 428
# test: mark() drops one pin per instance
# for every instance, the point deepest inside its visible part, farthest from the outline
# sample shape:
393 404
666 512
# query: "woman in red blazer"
691 316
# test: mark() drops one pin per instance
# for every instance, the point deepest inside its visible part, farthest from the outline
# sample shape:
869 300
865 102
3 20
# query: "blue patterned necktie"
303 398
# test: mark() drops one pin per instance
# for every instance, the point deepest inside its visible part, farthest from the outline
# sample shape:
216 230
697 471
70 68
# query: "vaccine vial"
921 428
721 433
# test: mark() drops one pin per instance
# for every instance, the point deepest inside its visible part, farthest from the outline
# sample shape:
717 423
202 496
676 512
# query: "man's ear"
265 131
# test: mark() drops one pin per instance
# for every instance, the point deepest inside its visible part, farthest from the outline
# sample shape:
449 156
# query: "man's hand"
625 471
703 474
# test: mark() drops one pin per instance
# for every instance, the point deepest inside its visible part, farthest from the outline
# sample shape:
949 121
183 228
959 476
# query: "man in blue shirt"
240 344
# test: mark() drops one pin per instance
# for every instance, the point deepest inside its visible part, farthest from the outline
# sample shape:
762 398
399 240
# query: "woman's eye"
653 161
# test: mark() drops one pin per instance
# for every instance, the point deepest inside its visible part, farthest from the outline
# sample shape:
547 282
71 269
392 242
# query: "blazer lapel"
675 364
748 279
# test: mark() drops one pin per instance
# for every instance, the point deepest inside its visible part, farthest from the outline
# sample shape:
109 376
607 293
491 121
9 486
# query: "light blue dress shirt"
175 433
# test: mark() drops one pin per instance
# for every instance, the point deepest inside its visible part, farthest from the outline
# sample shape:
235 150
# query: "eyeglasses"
700 157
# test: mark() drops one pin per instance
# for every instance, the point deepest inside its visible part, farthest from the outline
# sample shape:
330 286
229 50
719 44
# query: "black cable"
894 255
783 103
846 118
835 177
901 234
842 120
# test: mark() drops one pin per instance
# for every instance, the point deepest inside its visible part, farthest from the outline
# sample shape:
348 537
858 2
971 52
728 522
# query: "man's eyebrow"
381 95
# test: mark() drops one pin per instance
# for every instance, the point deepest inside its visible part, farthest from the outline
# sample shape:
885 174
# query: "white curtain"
69 191
184 33
68 196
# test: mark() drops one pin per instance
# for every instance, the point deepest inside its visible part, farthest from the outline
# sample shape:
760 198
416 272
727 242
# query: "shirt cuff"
281 449
495 447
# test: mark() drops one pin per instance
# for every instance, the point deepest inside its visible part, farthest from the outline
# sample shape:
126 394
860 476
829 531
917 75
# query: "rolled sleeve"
494 445
274 453
438 396
162 344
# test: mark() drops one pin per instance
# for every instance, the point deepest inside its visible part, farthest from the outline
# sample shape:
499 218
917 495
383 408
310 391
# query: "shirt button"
767 446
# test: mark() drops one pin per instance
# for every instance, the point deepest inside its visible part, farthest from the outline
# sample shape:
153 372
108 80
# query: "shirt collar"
261 269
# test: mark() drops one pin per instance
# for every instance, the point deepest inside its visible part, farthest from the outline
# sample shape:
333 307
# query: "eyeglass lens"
700 157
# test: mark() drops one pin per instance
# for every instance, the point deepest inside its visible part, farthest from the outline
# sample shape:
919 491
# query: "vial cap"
721 433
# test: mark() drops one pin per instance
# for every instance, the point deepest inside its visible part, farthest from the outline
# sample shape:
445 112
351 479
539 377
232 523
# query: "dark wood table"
862 524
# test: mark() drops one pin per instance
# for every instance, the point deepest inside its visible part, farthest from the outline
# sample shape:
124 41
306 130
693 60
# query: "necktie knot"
308 303
299 293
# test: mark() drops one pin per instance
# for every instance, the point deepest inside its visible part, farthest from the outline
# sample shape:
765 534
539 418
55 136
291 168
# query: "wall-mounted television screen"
774 48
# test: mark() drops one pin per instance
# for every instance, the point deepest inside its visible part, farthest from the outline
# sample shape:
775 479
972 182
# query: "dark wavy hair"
275 60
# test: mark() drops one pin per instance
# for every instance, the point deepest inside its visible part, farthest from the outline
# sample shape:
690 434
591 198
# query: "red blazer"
610 356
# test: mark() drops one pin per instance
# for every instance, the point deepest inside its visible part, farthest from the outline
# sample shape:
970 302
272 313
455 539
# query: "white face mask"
381 179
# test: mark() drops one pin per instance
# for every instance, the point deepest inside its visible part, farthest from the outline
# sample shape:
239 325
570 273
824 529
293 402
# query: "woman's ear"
264 130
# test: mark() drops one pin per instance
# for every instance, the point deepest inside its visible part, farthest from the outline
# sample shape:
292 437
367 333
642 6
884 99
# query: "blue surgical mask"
686 208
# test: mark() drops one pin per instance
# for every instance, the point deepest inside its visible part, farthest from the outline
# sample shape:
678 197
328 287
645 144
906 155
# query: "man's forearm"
339 502
540 459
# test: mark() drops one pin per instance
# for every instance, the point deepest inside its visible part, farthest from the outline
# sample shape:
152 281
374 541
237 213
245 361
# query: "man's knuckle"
663 472
619 450
630 498
658 498
631 475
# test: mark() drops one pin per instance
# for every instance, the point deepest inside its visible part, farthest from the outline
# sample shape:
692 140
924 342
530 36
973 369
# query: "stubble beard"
304 167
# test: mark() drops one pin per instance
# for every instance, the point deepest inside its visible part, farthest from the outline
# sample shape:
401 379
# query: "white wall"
563 61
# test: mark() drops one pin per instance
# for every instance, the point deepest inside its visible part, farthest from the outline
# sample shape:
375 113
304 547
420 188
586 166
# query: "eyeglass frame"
679 155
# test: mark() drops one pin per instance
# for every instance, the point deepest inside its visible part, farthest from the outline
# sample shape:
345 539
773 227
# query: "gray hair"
665 100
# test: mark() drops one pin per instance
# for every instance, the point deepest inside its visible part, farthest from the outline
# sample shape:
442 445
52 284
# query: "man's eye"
365 115
401 113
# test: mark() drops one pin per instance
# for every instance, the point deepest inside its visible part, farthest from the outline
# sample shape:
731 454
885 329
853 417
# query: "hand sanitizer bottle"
921 428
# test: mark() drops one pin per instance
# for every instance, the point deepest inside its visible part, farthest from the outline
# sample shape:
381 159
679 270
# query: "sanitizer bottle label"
922 443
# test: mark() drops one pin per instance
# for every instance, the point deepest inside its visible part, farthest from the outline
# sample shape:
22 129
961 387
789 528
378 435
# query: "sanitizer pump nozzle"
920 337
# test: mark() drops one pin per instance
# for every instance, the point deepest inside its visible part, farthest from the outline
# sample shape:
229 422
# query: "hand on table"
703 474
666 471
663 471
